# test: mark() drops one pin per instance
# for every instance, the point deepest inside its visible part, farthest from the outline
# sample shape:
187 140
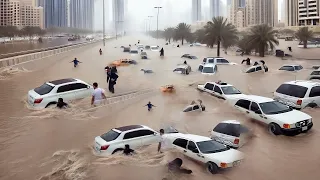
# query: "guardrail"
43 54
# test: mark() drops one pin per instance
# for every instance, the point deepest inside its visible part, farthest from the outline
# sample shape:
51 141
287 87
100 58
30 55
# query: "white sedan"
214 154
219 89
49 93
116 139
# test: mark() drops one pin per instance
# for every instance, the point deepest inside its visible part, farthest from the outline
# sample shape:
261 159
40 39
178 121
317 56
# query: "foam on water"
9 72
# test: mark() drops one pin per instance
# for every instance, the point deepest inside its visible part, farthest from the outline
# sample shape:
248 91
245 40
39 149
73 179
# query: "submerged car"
134 51
140 46
231 133
216 60
116 139
291 68
147 47
143 55
219 89
258 68
208 69
154 48
123 62
49 93
126 49
195 106
182 69
314 75
189 56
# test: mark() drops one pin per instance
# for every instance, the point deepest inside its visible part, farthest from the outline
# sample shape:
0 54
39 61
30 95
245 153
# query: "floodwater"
55 144
11 47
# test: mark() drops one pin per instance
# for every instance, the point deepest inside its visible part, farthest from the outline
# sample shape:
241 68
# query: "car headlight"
310 120
298 124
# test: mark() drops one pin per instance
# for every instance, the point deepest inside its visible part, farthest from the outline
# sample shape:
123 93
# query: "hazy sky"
139 10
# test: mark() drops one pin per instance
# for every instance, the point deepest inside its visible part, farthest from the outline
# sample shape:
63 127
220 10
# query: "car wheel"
50 104
312 105
212 168
274 129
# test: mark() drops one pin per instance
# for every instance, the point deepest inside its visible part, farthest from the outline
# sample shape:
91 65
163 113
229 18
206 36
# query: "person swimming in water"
150 106
61 104
127 150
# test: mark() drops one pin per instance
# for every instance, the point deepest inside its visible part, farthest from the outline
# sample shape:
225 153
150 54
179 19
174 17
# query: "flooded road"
11 47
56 144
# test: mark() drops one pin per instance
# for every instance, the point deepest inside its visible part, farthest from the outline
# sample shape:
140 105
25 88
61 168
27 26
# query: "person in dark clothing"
175 167
112 79
150 106
185 62
266 69
247 61
75 62
161 52
255 63
100 51
61 104
178 45
127 150
290 49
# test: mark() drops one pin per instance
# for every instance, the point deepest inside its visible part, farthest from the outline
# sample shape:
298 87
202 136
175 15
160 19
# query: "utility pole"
158 20
104 30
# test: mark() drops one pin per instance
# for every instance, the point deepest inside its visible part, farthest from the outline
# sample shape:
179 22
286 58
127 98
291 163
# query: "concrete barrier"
11 61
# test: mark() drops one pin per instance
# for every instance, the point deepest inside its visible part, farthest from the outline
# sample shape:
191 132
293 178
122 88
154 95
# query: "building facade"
309 13
118 15
215 8
81 14
55 13
196 10
5 13
261 12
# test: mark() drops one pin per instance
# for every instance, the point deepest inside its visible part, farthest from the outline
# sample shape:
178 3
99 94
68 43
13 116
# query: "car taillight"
236 141
105 147
37 101
299 102
286 126
223 165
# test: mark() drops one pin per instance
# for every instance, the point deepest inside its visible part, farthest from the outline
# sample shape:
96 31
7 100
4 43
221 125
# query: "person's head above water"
60 100
95 85
161 131
127 146
75 58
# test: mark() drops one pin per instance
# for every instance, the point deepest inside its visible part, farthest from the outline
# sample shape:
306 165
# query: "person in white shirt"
97 95
162 143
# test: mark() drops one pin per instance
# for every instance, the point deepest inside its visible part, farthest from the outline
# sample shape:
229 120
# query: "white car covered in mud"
208 69
116 139
219 89
281 119
195 106
154 48
215 155
49 93
216 60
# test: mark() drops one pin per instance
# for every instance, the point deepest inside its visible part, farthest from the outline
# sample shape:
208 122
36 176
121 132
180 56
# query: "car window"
65 88
230 90
243 103
287 68
224 61
292 90
208 147
43 89
297 68
218 60
180 142
259 68
196 107
209 86
211 61
251 70
188 109
110 136
315 92
315 73
228 129
192 146
79 86
135 134
254 107
146 132
274 107
217 89
208 70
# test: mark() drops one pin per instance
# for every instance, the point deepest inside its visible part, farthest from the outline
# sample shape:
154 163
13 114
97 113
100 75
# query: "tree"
244 46
9 31
304 35
168 33
182 31
220 31
200 36
262 37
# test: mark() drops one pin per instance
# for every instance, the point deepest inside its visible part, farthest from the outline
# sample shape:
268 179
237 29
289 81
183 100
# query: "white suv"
216 60
299 94
281 119
49 93
116 139
203 149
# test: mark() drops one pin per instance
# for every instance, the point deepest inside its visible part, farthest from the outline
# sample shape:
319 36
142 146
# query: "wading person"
161 52
61 104
97 95
75 62
112 79
149 105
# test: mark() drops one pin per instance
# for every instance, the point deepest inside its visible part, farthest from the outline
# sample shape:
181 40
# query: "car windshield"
211 146
287 68
154 48
134 52
193 57
44 89
230 90
110 136
274 107
208 70
179 69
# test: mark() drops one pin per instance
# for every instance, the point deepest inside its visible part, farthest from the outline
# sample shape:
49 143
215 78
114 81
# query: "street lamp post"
104 30
158 20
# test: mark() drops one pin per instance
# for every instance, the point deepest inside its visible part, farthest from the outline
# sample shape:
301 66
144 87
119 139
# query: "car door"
193 152
66 92
133 138
81 90
314 95
180 144
149 137
243 105
256 113
209 88
218 92
223 61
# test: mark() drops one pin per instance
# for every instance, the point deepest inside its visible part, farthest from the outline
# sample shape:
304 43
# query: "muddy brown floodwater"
55 144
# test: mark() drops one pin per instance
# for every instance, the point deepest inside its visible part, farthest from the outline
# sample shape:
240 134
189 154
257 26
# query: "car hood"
290 117
228 156
233 96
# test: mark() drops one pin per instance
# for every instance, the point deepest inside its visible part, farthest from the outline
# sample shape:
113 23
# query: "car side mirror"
258 111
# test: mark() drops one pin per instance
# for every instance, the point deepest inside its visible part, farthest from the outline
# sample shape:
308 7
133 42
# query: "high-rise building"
215 8
291 13
196 10
55 13
118 15
261 12
309 13
242 3
5 13
81 14
233 8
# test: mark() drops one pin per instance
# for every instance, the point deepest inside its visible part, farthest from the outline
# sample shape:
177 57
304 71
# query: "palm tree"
169 33
220 31
303 34
243 45
200 35
262 37
182 31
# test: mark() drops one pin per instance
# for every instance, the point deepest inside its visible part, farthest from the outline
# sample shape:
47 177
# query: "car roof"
291 65
128 128
182 66
134 50
257 99
62 81
230 122
209 65
303 83
193 137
